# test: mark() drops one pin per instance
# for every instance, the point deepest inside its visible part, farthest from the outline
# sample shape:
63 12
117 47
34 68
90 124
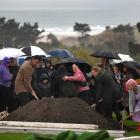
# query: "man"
23 87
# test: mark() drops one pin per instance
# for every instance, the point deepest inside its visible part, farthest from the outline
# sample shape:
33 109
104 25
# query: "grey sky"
46 4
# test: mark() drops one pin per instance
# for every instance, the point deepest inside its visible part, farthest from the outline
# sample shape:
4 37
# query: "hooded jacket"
5 76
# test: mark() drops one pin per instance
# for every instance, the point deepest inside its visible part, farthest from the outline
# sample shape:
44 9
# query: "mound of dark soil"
60 110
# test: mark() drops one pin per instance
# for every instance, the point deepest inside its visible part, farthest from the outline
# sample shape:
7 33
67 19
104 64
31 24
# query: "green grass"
132 133
25 136
131 123
66 135
14 136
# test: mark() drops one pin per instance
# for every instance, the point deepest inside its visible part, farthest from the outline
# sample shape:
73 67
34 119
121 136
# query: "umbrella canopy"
34 50
136 64
123 57
10 52
133 69
83 65
105 54
60 53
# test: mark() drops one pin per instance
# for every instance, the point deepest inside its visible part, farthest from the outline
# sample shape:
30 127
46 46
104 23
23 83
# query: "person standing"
23 87
13 69
79 79
134 100
107 92
5 83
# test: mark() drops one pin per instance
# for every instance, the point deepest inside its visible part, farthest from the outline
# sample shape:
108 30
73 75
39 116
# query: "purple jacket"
5 76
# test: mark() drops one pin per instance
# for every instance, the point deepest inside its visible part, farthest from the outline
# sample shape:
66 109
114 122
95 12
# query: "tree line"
12 34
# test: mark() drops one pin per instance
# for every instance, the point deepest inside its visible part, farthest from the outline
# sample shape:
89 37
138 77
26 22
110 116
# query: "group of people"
107 90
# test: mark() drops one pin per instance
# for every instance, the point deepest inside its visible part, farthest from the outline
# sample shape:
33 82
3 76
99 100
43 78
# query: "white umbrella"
10 52
123 57
34 50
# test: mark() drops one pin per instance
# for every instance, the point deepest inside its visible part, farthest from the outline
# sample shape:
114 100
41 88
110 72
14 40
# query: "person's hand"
34 94
11 75
118 81
65 78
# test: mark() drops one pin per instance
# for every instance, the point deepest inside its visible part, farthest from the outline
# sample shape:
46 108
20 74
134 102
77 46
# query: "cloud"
37 4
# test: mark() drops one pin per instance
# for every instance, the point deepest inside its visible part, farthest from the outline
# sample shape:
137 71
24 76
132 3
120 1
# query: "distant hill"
108 40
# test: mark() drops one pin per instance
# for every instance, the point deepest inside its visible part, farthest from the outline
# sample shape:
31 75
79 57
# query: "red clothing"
79 76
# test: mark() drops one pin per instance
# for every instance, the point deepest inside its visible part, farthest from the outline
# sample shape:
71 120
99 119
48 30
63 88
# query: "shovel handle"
124 118
36 97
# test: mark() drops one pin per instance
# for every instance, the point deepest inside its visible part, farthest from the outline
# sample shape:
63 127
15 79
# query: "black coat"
106 89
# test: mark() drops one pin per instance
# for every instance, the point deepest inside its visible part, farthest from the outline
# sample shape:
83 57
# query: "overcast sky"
48 4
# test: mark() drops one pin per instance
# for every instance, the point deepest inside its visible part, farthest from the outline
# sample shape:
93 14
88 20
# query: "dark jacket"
106 89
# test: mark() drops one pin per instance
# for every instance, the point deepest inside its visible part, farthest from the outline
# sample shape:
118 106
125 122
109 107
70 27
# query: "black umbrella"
136 64
60 53
132 68
83 65
105 54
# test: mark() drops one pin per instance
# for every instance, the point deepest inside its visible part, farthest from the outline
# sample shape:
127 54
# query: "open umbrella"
34 50
132 68
105 54
60 53
123 57
10 52
83 65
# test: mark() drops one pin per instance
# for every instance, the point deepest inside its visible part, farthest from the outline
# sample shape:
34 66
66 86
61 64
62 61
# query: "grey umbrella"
105 54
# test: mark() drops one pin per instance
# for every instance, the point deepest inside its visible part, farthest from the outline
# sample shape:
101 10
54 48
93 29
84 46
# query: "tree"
8 31
134 49
82 28
123 28
28 34
13 35
53 40
138 26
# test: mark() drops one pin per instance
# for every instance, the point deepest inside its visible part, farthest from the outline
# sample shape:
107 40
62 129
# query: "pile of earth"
60 110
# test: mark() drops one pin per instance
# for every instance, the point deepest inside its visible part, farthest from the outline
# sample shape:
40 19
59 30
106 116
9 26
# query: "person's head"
96 70
48 65
75 68
125 69
13 62
6 61
36 60
116 69
130 84
28 58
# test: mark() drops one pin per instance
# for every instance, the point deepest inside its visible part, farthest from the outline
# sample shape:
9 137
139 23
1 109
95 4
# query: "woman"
5 83
107 92
80 80
134 99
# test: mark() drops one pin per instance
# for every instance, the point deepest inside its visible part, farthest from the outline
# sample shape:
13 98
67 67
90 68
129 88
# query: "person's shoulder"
27 66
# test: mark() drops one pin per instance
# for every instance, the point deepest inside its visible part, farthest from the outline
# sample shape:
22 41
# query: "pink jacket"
79 76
